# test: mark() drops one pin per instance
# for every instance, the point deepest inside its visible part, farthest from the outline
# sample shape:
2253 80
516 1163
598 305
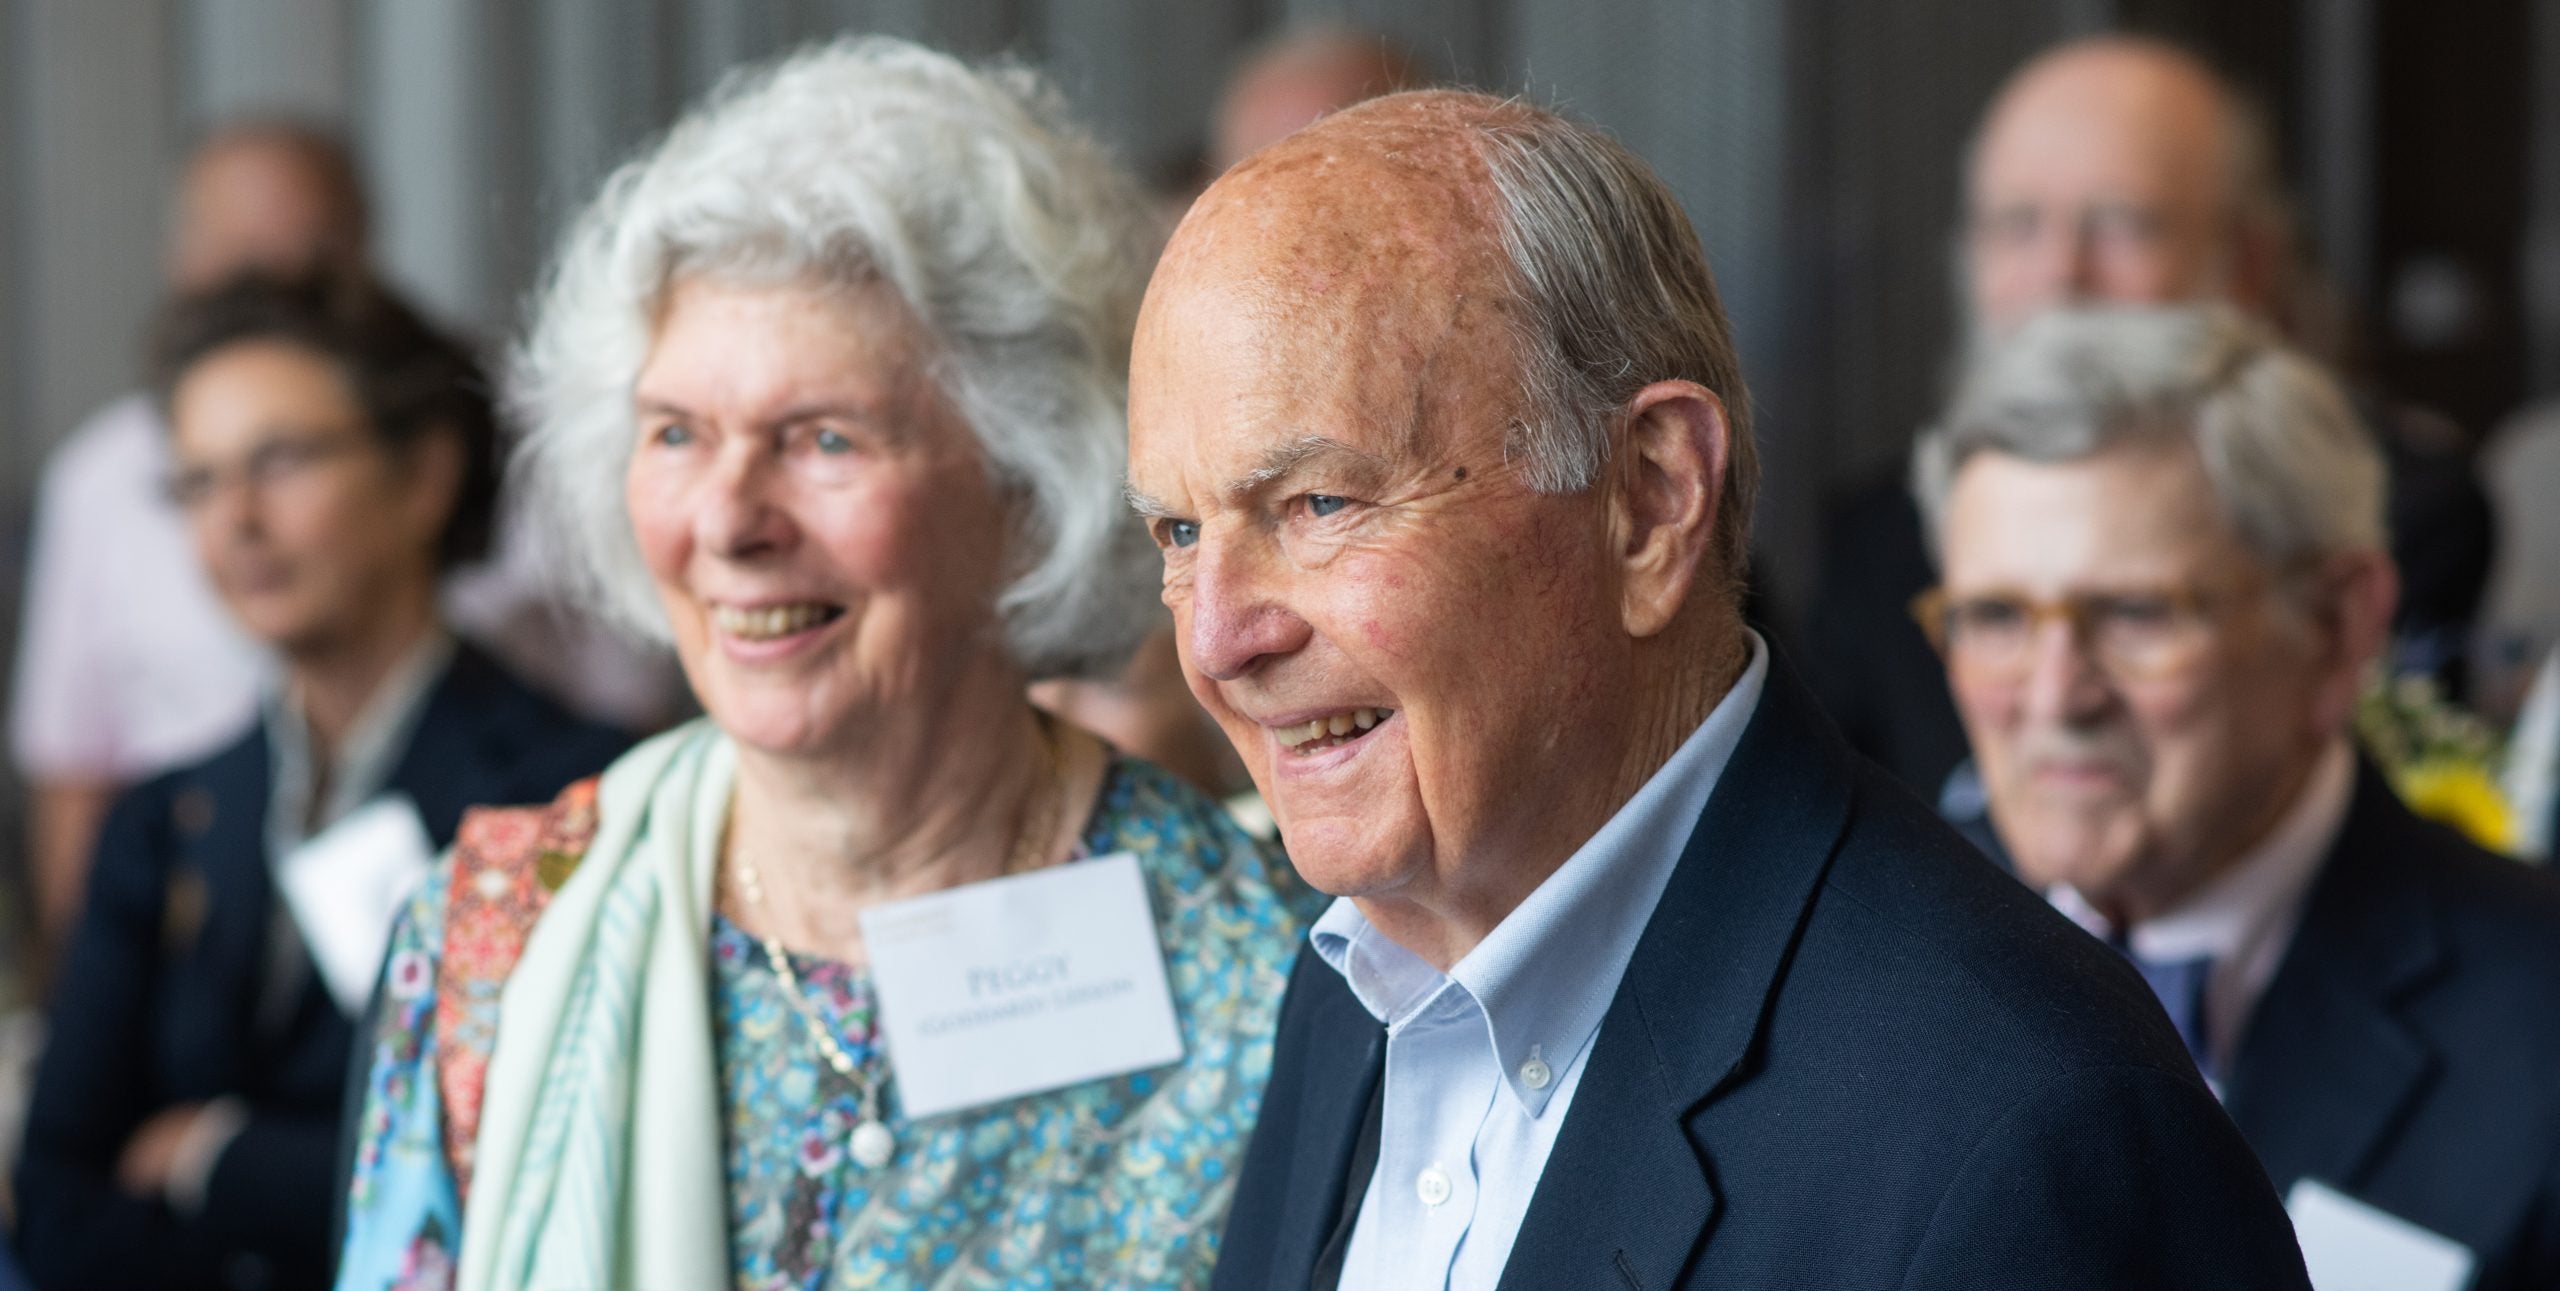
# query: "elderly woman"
333 457
828 392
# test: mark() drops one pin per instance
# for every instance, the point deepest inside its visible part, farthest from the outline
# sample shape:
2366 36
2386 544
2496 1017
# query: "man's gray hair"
2289 461
1615 295
1014 241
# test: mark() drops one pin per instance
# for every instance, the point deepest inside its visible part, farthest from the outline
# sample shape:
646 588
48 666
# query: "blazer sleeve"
76 1226
2110 1179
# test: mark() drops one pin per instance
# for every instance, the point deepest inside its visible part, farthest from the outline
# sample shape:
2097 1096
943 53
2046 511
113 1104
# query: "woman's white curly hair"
1013 239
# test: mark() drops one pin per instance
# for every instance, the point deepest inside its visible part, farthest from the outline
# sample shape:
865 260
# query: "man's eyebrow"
1145 504
1280 461
1277 463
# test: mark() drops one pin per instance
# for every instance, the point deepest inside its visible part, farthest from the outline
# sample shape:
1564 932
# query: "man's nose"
2064 682
2073 272
231 507
1237 616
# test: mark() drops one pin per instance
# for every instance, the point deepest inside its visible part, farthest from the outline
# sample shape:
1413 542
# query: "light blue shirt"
1482 1061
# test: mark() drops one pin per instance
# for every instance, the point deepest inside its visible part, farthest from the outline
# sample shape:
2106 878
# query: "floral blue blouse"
1120 1182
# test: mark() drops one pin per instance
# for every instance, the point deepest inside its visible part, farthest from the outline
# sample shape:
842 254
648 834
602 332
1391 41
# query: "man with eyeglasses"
2164 580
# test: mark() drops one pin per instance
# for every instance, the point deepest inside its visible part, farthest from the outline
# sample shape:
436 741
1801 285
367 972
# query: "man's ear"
2259 269
431 468
1670 478
2360 593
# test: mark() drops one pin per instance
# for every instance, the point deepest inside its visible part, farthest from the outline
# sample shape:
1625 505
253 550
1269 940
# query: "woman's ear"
1670 491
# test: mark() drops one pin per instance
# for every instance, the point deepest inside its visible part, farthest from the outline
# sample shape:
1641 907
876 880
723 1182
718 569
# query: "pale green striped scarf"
599 1161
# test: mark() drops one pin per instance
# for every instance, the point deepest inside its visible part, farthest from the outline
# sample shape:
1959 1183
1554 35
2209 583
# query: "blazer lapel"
1341 1051
2328 1066
1628 1194
448 767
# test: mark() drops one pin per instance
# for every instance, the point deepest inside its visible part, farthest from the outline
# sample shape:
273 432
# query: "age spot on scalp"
1462 472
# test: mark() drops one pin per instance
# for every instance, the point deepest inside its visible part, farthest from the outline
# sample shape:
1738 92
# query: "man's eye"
2141 612
1989 614
1181 533
832 442
1325 504
2011 224
671 435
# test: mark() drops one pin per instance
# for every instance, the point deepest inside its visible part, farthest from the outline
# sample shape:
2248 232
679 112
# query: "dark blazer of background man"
169 996
2404 1052
1439 424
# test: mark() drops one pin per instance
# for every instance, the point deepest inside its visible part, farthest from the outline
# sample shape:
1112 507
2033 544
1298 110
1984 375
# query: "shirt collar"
367 756
2229 918
1545 975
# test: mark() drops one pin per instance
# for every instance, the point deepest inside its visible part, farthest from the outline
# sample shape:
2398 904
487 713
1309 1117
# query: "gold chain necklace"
872 1143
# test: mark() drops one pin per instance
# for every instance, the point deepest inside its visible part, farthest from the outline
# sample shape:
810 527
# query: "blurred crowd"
799 511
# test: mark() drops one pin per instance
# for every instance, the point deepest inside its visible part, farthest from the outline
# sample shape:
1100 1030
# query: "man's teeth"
767 622
1335 725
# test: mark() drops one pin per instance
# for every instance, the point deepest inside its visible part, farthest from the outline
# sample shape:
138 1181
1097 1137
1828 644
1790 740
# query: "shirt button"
1535 1073
1432 1186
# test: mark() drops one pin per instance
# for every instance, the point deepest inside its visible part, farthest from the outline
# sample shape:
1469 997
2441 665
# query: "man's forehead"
2143 507
1357 266
2134 112
1392 194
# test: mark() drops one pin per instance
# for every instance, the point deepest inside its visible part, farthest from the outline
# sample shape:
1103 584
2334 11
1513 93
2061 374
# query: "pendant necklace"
873 1144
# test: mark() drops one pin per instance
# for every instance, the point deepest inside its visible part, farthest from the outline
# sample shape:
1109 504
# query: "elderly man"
1636 976
2122 170
2165 580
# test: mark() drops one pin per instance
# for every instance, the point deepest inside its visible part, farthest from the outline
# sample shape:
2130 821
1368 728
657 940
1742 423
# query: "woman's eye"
1182 533
1325 504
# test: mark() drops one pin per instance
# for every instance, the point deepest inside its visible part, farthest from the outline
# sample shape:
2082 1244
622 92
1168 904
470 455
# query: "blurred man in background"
1286 85
2123 170
2166 579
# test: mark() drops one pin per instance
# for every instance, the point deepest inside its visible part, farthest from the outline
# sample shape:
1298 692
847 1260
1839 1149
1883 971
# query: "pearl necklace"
873 1143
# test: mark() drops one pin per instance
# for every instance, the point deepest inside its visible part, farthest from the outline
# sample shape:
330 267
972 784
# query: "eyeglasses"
2139 635
272 463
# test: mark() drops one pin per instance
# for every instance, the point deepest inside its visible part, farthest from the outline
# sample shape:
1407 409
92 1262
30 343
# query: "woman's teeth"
768 622
1323 732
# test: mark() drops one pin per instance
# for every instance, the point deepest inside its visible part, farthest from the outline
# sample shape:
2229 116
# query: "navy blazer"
2408 1050
157 1000
1848 1052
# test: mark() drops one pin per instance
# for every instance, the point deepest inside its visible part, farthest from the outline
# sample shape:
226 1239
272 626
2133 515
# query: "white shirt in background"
127 662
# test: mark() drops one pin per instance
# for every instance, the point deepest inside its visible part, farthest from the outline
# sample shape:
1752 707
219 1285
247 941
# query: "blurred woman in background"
829 390
334 456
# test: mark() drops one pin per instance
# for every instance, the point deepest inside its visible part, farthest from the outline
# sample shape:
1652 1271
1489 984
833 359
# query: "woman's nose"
738 512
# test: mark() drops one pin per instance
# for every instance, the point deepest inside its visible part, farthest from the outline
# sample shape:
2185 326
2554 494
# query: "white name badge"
344 887
1023 984
2351 1246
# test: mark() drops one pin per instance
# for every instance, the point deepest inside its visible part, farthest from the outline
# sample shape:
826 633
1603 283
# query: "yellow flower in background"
2441 759
2461 793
